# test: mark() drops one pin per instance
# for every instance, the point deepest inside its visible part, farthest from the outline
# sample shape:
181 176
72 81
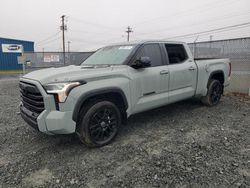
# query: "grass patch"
9 72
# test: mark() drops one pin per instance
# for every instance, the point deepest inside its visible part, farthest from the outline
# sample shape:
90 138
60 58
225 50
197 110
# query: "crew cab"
95 98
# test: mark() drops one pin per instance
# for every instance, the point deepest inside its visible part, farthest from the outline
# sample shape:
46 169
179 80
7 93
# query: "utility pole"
194 46
68 56
210 41
211 38
63 28
68 46
128 31
43 53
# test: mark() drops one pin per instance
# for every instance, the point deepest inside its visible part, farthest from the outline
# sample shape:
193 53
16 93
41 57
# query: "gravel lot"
180 145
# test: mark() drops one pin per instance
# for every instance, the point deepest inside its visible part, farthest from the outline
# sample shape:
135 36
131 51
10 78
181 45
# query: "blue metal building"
10 49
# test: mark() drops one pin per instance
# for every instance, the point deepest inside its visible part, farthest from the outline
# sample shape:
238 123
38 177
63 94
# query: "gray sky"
95 23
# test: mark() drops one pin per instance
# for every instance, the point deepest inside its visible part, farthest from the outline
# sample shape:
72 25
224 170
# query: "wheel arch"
217 75
99 93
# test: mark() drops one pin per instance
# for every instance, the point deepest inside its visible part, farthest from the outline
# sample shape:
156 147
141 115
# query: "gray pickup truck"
95 98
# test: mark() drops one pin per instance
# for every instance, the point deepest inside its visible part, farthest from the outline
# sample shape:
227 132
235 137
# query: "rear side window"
176 53
153 52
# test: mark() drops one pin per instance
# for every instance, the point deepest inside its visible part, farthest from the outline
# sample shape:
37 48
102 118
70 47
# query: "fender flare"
83 97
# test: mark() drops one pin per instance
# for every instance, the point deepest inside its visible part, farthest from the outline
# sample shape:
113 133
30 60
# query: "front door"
149 86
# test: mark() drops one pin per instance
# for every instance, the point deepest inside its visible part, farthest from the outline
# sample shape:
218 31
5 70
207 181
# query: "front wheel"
214 93
99 123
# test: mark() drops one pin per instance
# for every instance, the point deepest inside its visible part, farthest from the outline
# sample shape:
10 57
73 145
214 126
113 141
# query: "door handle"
164 72
191 68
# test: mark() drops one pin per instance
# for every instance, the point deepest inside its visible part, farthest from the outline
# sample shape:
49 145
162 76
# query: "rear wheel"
99 123
214 93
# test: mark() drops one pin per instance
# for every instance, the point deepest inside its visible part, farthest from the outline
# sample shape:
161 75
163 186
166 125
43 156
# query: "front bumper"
50 120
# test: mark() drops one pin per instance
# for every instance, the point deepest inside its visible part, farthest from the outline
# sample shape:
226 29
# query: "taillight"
230 70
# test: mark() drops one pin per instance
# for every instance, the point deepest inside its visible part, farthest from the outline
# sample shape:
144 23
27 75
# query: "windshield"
110 55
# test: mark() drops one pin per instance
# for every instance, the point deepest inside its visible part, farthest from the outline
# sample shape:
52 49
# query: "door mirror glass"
141 62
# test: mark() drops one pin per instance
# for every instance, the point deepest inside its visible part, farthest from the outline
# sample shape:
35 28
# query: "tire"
99 123
214 93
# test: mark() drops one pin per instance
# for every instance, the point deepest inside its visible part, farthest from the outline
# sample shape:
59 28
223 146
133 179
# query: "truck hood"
74 73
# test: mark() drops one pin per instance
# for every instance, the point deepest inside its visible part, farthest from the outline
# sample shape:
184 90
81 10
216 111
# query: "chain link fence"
40 60
238 50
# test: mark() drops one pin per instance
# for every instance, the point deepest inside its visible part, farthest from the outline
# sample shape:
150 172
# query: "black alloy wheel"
103 125
99 123
214 93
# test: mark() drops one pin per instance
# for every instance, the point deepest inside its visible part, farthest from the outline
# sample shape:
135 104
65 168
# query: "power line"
47 42
48 38
94 24
204 34
231 32
86 31
220 31
205 7
209 31
92 33
199 23
86 41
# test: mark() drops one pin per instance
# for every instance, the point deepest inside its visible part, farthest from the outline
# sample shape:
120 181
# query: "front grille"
32 103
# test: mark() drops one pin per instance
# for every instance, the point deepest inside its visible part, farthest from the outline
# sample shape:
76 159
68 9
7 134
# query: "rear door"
149 86
182 73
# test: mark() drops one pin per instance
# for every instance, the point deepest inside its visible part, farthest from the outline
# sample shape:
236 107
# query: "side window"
176 53
153 52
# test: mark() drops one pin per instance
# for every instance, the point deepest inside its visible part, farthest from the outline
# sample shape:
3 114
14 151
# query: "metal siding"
8 61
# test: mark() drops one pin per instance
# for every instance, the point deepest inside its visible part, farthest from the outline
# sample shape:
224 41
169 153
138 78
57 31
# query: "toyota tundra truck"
95 98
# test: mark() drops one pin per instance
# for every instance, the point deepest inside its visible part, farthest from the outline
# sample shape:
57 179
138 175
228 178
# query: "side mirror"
142 62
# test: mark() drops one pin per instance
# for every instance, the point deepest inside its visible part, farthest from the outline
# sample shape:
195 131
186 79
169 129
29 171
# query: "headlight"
61 89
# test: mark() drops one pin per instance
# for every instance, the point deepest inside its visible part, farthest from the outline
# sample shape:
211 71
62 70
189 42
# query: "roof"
18 40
